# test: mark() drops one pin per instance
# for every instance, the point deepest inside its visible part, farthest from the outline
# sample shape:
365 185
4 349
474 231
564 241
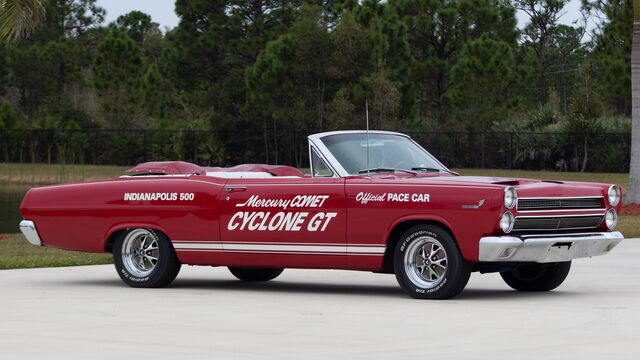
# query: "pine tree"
611 52
436 33
117 74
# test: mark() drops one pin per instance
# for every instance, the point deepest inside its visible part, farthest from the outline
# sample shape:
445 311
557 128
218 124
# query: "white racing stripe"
259 248
180 246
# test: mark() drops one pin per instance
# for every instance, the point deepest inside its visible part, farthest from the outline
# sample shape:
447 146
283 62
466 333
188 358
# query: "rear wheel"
255 274
537 277
428 265
145 258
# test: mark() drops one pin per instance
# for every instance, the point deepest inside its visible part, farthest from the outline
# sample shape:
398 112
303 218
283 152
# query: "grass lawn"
43 174
629 226
15 252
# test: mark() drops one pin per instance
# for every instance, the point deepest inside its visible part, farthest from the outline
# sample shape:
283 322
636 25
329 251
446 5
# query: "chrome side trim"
260 248
547 248
29 231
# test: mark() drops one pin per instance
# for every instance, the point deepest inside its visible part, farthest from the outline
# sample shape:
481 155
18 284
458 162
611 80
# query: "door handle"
235 188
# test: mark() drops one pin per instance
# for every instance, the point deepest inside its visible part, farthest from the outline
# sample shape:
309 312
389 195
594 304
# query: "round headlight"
506 222
613 195
611 219
510 197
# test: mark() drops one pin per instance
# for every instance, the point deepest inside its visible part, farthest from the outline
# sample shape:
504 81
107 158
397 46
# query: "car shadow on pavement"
493 294
298 287
318 288
275 286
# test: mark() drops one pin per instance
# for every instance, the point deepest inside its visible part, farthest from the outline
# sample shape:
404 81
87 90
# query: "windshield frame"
315 141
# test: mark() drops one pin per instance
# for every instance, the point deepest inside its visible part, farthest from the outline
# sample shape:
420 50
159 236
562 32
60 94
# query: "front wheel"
428 265
255 274
537 277
145 258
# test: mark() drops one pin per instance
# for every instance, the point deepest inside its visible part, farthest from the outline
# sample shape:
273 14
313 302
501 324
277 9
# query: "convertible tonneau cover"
181 167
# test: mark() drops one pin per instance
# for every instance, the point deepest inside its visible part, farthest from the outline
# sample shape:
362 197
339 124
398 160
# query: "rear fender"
130 225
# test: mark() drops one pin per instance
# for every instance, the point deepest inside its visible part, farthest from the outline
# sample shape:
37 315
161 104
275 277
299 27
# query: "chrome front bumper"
28 228
544 248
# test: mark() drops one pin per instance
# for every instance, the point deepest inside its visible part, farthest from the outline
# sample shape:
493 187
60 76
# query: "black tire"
537 277
128 252
255 274
444 262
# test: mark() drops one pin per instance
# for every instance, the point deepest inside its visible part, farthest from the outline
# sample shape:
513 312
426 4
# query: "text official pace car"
374 201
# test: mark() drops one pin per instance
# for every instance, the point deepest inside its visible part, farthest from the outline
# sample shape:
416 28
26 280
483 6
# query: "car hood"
525 187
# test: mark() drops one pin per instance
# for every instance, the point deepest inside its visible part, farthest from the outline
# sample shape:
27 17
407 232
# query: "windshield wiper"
380 169
426 169
429 169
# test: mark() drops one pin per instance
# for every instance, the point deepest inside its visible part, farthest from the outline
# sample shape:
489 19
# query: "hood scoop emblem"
476 206
507 182
553 181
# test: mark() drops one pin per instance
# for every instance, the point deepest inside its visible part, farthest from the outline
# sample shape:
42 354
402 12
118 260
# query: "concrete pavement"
87 312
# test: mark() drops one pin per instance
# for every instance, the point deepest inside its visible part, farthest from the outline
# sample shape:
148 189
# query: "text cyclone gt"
281 220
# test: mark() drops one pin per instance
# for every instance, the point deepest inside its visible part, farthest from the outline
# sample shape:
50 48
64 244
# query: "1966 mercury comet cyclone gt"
374 201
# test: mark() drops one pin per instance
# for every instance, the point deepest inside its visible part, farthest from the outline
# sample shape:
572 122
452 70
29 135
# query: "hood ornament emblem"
477 206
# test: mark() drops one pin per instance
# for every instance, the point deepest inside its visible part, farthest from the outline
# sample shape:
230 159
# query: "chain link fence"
603 152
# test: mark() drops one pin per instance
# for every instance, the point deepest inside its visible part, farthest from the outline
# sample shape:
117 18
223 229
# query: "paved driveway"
87 312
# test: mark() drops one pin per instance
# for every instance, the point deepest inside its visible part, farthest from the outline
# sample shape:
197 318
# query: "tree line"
268 68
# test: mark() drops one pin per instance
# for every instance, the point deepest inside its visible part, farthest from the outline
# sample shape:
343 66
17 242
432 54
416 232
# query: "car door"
284 222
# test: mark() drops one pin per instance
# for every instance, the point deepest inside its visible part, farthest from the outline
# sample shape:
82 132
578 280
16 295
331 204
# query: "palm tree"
633 191
19 18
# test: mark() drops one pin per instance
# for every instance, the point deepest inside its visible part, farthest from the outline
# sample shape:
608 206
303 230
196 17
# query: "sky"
162 11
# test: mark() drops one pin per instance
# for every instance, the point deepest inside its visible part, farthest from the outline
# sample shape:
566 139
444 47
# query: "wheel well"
396 233
112 238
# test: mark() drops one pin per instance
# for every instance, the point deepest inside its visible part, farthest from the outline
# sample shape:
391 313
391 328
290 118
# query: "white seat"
247 175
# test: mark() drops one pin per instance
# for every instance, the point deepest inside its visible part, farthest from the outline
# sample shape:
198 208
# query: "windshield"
386 152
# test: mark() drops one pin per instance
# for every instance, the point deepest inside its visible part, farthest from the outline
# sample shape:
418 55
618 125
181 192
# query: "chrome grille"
556 223
560 203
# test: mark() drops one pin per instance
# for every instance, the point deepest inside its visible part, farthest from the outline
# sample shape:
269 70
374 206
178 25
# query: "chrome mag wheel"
140 252
425 262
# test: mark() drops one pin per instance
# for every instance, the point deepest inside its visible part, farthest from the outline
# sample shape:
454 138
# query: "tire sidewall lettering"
416 234
428 291
130 277
126 275
403 246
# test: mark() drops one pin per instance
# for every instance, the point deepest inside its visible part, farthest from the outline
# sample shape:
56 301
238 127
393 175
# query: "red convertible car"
374 201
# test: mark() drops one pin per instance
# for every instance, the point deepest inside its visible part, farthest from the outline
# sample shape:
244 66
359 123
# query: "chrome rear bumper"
28 228
544 248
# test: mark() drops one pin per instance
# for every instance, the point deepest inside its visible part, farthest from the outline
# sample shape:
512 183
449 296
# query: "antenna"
366 111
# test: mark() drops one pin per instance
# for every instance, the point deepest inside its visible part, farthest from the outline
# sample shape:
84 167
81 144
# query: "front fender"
423 217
